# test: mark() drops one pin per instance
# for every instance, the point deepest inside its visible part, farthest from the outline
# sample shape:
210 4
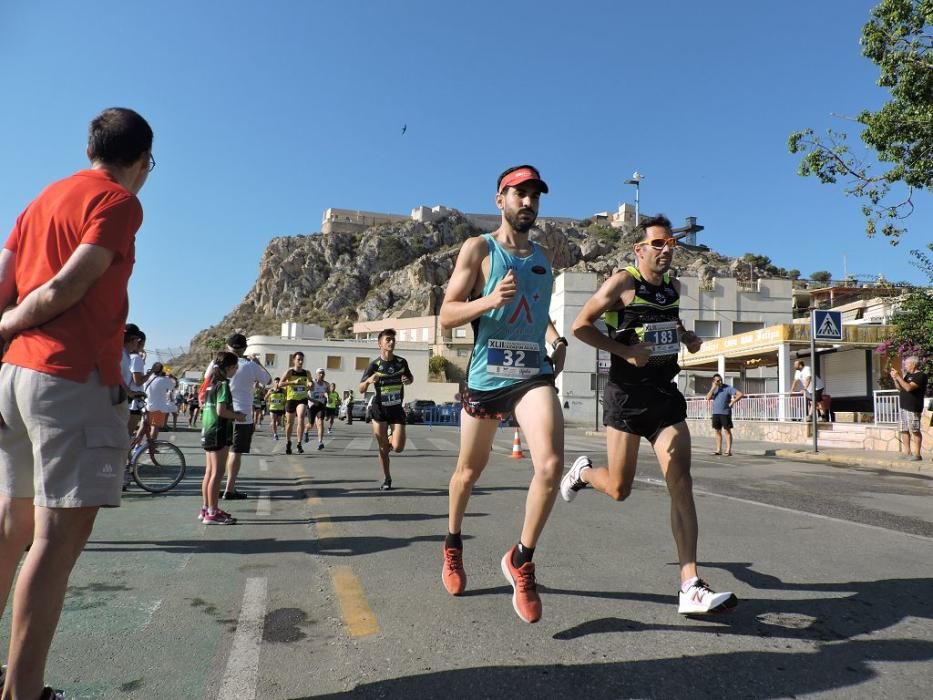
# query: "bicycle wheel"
158 466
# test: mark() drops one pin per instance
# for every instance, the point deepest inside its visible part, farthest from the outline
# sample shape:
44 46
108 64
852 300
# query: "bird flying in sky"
404 128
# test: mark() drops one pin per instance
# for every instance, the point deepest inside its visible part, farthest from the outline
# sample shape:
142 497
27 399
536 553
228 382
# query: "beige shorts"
63 443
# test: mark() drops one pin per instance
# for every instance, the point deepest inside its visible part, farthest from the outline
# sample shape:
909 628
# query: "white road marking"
359 444
409 445
263 465
242 674
263 503
444 445
794 511
150 611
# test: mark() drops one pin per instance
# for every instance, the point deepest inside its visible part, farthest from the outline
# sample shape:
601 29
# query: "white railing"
755 407
887 405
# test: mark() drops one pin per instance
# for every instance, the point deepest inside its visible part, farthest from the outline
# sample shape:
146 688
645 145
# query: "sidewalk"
804 453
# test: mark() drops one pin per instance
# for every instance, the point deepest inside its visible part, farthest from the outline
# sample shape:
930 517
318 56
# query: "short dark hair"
118 136
717 375
648 222
298 354
385 332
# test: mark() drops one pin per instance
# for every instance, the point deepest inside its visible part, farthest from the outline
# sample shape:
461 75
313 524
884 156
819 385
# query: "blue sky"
267 113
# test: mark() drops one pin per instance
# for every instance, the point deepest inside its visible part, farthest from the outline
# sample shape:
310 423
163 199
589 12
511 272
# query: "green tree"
899 40
822 276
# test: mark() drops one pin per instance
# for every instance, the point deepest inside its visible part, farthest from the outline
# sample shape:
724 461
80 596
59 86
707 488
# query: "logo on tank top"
538 270
522 304
660 298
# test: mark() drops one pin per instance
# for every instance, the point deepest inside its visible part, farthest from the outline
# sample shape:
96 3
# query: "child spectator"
217 416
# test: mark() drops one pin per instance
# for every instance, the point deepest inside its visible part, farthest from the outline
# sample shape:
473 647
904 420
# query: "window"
362 363
746 326
270 359
459 332
424 334
706 329
401 334
334 361
599 380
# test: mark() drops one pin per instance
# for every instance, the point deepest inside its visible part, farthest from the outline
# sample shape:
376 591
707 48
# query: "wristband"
559 341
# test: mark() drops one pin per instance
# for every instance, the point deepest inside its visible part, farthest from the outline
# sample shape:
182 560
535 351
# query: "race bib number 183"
665 336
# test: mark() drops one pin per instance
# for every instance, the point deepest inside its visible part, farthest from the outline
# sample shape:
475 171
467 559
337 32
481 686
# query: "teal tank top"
508 345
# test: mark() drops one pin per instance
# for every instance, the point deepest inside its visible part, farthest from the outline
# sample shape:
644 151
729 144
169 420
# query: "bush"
437 364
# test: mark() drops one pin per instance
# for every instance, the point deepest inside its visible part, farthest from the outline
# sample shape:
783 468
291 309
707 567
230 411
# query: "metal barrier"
441 415
755 407
887 406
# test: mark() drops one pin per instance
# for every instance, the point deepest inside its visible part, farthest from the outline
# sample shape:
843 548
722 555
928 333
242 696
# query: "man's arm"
368 378
736 397
456 310
605 298
64 290
709 394
7 278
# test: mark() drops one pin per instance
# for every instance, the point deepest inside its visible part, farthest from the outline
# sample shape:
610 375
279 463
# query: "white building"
344 360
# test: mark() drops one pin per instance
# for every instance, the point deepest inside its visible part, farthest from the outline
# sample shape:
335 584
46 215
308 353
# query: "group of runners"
64 271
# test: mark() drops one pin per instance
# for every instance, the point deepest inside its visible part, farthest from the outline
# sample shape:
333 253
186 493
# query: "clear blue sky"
266 113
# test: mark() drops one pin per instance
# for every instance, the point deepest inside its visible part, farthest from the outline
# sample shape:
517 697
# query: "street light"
636 180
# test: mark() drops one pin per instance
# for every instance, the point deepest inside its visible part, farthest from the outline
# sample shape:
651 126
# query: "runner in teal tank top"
501 285
509 341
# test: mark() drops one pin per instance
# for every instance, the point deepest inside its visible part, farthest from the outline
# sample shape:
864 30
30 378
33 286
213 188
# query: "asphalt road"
329 587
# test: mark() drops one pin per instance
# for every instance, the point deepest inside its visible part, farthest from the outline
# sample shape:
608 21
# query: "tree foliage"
822 276
899 40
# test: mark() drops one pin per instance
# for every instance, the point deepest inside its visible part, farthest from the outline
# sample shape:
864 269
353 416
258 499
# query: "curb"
855 461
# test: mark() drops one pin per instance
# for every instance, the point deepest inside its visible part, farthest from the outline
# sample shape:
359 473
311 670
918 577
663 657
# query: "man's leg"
540 412
617 478
476 437
905 442
381 433
718 441
233 471
672 447
918 444
728 441
60 536
398 437
16 523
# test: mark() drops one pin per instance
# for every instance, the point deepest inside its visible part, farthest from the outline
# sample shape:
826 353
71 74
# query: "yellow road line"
359 618
324 527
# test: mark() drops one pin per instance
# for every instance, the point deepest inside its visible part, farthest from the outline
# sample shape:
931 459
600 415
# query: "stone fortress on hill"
355 221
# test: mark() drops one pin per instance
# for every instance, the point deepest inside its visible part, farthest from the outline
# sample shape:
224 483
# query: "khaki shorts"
64 443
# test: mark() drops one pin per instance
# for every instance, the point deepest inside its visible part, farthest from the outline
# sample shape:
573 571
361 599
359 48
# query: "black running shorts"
499 404
393 415
242 437
721 421
292 404
314 408
643 409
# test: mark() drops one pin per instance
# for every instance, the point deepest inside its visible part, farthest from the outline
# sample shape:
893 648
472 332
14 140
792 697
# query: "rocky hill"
398 270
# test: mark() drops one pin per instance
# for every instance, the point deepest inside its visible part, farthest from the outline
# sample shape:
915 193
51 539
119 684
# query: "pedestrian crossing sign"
827 325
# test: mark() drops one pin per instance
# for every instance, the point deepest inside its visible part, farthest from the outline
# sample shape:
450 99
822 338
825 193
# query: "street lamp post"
636 180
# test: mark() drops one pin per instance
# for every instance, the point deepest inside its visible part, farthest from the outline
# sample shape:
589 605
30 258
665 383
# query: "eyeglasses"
151 163
660 243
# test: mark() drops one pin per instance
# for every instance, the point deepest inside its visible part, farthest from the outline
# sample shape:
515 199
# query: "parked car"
358 410
414 410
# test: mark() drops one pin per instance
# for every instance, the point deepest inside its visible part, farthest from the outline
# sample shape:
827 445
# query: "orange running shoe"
453 575
525 598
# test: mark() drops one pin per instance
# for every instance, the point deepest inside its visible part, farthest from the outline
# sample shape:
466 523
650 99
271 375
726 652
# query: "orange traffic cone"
517 446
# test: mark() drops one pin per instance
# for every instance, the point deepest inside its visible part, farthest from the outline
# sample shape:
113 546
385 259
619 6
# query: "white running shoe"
700 599
571 483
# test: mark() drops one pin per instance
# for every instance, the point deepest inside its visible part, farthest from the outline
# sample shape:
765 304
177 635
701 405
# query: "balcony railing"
755 407
887 406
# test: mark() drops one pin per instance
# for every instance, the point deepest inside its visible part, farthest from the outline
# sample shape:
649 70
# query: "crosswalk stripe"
410 445
264 503
442 444
242 674
359 444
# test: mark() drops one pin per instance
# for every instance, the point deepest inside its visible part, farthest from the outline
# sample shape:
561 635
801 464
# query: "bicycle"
157 466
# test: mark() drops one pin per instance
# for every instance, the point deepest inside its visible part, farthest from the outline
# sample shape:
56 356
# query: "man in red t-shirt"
63 277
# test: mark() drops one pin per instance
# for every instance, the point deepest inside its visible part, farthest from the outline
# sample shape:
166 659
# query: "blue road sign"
827 325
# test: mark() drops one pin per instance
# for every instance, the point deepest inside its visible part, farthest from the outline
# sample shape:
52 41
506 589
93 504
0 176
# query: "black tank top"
653 304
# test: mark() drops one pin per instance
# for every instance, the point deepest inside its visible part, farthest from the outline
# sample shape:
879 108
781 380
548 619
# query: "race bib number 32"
515 359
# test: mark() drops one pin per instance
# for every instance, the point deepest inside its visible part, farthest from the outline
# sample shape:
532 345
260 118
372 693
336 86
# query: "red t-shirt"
88 207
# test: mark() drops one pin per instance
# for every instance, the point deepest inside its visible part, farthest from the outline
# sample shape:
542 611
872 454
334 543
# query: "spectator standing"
158 401
912 387
137 360
810 384
724 397
64 271
217 434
